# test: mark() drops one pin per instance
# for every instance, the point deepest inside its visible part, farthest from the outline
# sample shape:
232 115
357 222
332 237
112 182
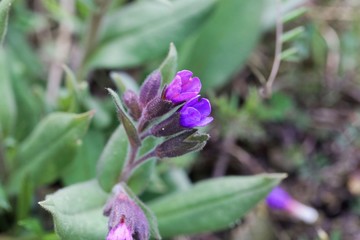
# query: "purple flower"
120 232
280 200
126 219
183 87
195 113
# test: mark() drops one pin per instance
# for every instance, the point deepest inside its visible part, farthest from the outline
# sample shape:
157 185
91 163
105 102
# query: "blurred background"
282 75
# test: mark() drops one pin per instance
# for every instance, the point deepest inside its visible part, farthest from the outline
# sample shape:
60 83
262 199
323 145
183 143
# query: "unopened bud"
181 144
168 127
150 88
131 101
126 219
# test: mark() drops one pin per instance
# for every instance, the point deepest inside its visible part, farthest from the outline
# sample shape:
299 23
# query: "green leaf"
49 149
211 205
83 167
225 42
112 159
129 126
169 65
5 6
127 41
77 211
7 104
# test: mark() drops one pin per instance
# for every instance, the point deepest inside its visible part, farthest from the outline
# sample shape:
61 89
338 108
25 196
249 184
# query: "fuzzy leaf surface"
211 205
51 146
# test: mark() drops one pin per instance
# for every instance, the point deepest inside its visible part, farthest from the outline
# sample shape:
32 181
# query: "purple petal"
278 199
205 121
183 97
191 102
192 85
189 117
185 75
203 106
174 88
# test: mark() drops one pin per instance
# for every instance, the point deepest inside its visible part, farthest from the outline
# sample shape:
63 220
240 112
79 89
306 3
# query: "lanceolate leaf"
112 159
169 65
51 146
225 42
127 41
129 126
211 205
77 211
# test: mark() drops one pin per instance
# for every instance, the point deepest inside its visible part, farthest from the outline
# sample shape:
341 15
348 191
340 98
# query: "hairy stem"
132 166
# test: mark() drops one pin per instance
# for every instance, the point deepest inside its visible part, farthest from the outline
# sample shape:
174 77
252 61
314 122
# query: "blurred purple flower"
120 232
183 87
195 113
279 199
126 218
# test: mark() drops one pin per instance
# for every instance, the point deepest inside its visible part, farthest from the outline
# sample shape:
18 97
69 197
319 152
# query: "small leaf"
129 126
77 211
51 146
211 205
112 159
197 137
5 6
169 65
124 81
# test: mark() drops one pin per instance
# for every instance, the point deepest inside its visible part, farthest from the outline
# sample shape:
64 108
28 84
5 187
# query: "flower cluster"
279 199
174 112
181 95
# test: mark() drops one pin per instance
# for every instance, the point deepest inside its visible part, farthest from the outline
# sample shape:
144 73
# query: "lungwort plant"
159 122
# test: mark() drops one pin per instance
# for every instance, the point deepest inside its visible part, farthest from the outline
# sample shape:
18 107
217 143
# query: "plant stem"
132 166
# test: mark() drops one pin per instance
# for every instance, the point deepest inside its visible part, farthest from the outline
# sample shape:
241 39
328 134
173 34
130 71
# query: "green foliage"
51 146
112 159
5 6
8 109
126 41
215 204
77 211
225 42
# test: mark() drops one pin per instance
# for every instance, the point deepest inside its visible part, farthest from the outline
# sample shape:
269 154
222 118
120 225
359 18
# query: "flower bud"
131 101
195 113
183 87
168 127
150 88
281 200
126 219
181 144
